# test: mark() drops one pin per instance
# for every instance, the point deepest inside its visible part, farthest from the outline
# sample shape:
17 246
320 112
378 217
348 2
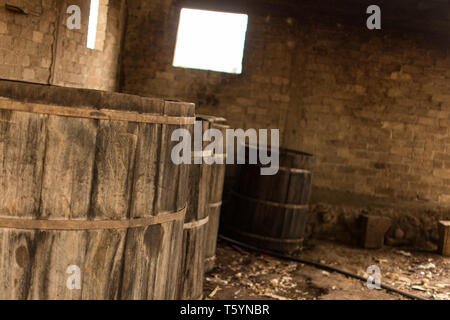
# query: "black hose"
319 266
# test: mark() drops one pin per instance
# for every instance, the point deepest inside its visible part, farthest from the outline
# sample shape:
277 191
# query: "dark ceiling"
414 15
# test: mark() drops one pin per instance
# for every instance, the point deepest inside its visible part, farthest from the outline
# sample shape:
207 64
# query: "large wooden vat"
215 200
270 212
91 205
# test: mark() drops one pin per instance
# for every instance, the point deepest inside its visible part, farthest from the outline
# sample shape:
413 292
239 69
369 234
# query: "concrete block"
374 229
444 238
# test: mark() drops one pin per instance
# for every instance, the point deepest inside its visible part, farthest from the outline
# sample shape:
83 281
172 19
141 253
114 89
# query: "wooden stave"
173 230
211 238
215 202
199 179
191 278
254 185
214 208
192 264
267 220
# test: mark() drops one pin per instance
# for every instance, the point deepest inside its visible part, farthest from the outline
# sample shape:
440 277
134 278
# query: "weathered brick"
38 36
3 27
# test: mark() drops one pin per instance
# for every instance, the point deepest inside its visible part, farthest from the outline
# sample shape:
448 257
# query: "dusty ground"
240 274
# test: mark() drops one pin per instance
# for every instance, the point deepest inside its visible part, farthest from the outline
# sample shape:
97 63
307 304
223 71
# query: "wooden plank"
69 168
22 152
444 238
114 167
211 237
192 264
146 171
15 263
151 262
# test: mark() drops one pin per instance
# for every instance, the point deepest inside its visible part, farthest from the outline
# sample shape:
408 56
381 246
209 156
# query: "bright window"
211 40
93 22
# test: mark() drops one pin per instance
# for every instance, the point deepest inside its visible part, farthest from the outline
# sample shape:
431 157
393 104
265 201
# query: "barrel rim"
90 113
97 99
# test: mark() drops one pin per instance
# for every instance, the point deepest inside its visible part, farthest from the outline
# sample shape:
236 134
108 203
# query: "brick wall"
26 42
373 106
78 66
39 48
258 98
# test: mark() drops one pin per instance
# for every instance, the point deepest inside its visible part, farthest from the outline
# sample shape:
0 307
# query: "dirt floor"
244 275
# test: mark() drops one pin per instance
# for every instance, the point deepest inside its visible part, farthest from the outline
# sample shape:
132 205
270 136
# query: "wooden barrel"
91 205
231 179
215 201
195 226
270 212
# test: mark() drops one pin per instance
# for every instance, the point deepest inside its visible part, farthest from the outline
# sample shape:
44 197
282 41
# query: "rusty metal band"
259 237
294 170
272 203
98 114
215 205
80 225
195 224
